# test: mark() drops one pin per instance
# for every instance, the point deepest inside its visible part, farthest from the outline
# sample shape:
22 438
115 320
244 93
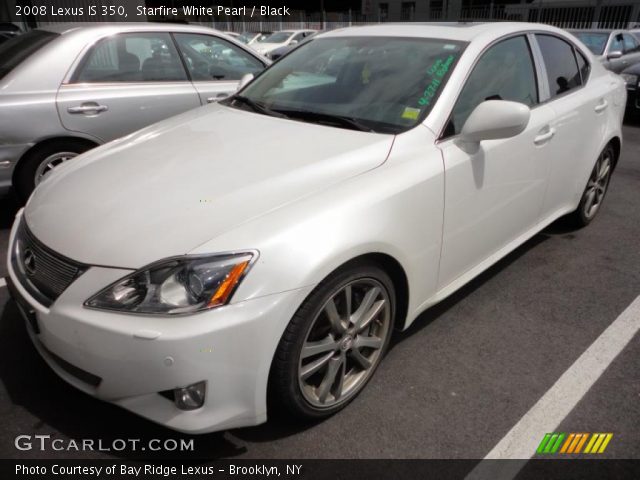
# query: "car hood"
169 188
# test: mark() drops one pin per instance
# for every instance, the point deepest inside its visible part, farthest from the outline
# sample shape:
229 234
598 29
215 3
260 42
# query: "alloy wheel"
597 185
51 162
344 343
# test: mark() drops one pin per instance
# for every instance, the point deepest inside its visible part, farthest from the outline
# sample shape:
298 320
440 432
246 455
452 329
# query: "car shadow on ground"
34 387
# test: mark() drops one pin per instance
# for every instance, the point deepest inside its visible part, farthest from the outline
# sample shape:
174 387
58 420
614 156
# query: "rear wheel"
334 343
42 160
596 189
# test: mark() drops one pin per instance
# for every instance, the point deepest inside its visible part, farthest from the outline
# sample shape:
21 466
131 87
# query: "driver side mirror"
293 42
246 78
615 54
495 119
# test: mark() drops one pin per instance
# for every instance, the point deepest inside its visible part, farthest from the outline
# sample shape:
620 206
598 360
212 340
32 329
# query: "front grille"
44 273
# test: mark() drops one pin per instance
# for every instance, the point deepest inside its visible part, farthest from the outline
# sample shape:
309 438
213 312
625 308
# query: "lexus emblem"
29 260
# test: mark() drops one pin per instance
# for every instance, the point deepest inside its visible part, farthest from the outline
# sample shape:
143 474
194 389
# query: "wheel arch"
616 143
398 276
45 142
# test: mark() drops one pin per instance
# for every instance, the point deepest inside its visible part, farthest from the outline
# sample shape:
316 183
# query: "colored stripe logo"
553 443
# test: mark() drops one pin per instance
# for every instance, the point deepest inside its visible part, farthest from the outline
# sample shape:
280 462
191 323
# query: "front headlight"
630 79
176 285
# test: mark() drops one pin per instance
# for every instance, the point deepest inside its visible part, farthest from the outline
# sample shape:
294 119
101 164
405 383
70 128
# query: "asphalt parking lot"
453 386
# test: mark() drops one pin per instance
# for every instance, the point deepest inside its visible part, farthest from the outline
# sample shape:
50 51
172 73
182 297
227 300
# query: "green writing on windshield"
437 71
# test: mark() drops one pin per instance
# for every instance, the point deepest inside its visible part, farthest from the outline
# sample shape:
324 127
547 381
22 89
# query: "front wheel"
596 189
334 343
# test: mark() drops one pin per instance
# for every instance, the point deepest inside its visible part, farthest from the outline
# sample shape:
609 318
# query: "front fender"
395 209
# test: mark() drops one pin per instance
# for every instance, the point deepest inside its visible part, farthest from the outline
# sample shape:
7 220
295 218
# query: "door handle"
601 106
218 97
545 137
88 108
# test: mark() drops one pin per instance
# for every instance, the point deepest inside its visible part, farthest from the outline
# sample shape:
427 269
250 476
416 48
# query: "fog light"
190 397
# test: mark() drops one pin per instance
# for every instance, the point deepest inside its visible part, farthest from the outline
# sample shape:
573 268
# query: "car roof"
65 28
295 31
465 32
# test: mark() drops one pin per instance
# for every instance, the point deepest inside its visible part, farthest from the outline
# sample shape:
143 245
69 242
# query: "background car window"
617 43
298 37
133 57
212 58
596 42
561 65
278 37
583 66
630 43
516 80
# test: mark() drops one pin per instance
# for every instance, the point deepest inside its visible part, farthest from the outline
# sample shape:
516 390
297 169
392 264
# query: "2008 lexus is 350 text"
260 251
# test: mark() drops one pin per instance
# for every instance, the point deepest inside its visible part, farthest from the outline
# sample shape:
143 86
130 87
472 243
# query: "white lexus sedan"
260 251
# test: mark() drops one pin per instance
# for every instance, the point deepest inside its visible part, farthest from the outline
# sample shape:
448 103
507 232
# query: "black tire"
285 391
24 177
585 213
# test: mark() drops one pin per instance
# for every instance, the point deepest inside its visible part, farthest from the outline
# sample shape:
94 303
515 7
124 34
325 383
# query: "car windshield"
594 41
278 37
376 84
14 51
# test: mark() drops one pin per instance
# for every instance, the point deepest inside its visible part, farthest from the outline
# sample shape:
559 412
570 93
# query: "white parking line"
3 282
523 439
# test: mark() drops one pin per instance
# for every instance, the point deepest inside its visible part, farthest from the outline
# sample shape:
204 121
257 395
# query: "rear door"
215 65
579 103
123 83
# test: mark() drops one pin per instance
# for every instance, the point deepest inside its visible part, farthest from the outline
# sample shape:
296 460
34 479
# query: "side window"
210 58
617 43
516 80
132 57
298 37
583 66
561 65
630 44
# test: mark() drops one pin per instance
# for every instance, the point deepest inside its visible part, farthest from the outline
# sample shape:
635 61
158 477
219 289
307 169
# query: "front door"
215 65
494 195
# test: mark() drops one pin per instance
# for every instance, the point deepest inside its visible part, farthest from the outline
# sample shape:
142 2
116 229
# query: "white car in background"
267 246
249 38
281 39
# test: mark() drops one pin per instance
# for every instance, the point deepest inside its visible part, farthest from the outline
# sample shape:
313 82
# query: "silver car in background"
616 49
65 89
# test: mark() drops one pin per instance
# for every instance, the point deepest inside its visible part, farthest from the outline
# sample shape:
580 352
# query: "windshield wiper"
257 107
327 118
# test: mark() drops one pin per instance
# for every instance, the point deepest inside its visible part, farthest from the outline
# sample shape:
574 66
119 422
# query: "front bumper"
127 359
